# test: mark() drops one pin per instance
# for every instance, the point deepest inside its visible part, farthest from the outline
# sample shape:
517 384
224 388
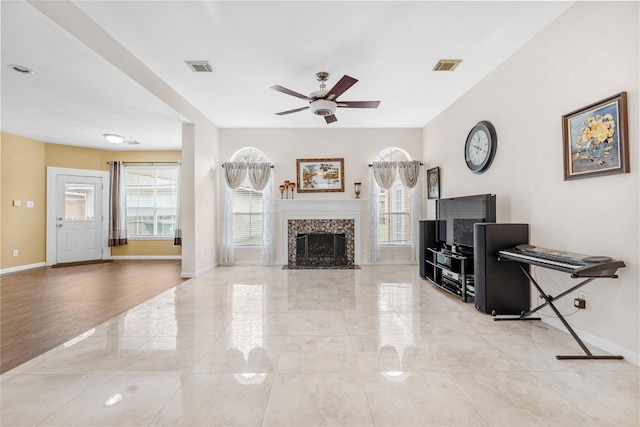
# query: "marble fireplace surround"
331 216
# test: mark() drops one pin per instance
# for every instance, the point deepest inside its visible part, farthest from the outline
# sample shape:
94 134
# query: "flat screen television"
455 218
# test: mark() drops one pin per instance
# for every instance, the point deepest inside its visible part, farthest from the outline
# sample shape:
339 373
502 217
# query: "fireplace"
321 250
321 216
320 243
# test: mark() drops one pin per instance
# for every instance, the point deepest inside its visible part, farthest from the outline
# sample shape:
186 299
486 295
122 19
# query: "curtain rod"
371 164
270 166
144 163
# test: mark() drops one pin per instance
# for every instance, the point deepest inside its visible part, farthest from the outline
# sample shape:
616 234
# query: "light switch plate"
29 203
17 203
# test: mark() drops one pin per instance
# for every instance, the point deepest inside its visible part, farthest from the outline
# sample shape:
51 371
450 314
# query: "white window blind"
247 217
151 200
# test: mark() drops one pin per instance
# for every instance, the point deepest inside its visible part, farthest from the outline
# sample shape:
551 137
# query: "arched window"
394 205
247 205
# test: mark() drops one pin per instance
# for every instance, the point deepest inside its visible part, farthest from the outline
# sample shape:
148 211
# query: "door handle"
60 219
60 225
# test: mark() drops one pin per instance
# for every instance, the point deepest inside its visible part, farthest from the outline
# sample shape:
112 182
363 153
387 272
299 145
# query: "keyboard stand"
549 301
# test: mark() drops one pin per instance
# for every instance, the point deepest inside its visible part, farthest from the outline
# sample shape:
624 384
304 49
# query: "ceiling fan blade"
282 113
290 92
330 119
345 83
358 104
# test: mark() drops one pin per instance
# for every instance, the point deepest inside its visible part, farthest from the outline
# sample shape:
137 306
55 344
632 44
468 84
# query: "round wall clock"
480 148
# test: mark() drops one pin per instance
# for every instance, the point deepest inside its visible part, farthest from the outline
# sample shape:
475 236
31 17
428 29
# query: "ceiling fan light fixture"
323 107
113 138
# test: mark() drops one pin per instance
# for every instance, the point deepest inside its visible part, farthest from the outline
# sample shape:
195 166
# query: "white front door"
78 218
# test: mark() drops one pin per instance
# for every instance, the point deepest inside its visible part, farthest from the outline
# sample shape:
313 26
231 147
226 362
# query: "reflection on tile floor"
264 346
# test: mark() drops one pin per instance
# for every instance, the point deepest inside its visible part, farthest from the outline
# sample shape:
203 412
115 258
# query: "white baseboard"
22 267
191 275
251 263
130 257
605 345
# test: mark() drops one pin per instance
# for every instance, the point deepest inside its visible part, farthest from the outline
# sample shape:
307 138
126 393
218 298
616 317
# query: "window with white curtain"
151 201
247 204
394 205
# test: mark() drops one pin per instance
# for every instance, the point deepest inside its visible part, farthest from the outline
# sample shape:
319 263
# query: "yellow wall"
23 178
147 247
66 156
24 174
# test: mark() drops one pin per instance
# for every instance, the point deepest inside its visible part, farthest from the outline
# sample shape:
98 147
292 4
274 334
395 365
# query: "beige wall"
554 74
358 147
24 166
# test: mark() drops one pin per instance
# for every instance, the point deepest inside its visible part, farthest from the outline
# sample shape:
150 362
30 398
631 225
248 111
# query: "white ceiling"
75 94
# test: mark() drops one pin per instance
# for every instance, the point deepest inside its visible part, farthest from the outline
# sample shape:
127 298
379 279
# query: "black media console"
476 275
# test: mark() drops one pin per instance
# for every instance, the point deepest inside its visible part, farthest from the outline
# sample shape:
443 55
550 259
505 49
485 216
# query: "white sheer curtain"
409 172
374 220
268 244
234 173
416 211
384 173
177 237
117 205
259 174
226 255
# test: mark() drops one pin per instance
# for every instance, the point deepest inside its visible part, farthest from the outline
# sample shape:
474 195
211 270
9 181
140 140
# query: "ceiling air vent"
199 66
447 64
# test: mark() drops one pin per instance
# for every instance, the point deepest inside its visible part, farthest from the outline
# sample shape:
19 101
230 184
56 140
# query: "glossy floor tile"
262 346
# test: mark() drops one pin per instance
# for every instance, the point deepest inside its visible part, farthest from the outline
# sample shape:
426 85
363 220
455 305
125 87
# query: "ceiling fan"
324 102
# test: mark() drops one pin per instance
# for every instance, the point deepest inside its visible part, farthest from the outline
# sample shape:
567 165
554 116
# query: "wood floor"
44 307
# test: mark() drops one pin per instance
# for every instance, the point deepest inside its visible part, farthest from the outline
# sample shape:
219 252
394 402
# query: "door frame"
52 207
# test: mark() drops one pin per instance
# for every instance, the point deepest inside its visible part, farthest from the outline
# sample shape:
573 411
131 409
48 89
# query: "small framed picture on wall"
433 183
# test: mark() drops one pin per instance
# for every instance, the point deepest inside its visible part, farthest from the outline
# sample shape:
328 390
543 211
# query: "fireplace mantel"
305 206
291 209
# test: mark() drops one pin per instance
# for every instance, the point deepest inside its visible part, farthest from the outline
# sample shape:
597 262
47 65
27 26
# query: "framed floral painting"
320 175
433 183
596 140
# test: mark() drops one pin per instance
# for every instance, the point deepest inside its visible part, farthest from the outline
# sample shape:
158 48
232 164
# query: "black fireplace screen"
321 249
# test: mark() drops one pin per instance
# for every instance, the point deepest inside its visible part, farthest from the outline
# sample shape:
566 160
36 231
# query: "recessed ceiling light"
200 66
21 69
447 64
113 138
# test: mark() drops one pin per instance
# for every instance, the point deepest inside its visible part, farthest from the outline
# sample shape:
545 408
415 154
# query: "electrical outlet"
15 252
582 295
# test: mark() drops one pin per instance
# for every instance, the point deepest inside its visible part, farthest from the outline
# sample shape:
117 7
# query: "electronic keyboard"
578 265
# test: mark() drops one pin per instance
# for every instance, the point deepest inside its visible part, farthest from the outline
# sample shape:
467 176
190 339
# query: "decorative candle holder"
292 186
286 188
356 186
281 191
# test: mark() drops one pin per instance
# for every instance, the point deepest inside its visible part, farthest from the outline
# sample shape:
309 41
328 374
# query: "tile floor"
262 346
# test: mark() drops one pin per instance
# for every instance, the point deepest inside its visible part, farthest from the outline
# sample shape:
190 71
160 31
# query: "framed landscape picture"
596 140
320 175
